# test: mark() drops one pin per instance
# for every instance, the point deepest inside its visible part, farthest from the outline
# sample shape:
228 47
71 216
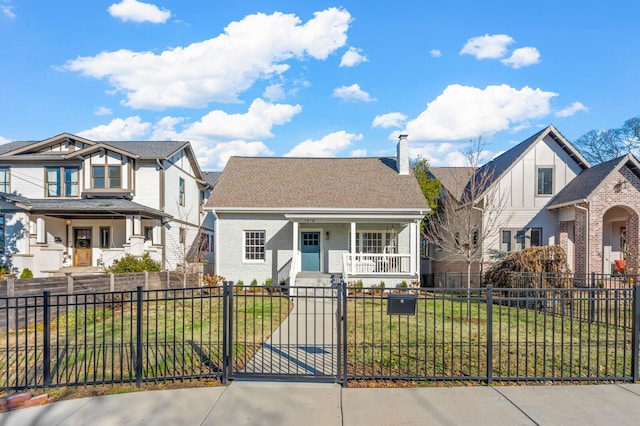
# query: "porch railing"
376 264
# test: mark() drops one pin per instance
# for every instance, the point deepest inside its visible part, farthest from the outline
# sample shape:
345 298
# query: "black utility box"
401 304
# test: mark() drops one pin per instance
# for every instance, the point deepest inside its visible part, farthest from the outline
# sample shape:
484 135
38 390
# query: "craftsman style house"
68 202
280 219
550 194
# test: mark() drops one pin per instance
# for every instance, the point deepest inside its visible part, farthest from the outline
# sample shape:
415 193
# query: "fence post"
489 334
112 282
11 285
69 283
146 280
139 336
344 335
46 320
225 332
592 301
635 339
339 318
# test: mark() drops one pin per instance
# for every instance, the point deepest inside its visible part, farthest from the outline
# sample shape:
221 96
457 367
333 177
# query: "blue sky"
301 78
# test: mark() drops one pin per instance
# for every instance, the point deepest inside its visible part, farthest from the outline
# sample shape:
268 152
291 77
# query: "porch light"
327 235
68 222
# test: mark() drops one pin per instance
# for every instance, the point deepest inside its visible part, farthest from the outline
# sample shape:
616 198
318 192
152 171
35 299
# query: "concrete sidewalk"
286 403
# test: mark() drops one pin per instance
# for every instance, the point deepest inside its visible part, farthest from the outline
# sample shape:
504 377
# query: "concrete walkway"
286 403
306 341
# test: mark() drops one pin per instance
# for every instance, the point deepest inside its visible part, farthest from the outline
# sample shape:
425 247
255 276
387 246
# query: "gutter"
567 204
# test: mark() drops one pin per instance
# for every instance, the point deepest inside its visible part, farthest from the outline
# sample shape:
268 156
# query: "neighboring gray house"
354 217
70 202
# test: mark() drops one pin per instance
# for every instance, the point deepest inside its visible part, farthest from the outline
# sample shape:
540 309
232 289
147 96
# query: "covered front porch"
371 249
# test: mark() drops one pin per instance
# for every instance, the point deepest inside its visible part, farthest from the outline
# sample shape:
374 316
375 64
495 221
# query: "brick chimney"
402 159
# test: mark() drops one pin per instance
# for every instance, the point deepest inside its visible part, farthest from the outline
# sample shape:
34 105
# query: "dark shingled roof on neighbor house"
338 183
583 186
453 179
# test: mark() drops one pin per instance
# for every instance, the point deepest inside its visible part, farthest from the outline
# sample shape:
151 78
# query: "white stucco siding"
278 253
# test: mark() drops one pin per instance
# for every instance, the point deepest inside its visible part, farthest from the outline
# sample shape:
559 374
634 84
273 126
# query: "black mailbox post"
401 304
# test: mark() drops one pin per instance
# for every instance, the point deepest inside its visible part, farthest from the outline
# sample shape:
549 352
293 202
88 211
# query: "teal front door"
310 251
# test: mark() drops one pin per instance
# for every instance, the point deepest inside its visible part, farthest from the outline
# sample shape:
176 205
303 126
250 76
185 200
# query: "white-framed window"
375 242
5 183
181 191
254 242
62 181
545 181
148 233
107 176
518 239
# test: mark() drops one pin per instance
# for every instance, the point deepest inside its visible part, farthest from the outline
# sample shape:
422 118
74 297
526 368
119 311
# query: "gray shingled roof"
583 186
453 179
211 177
148 149
84 206
338 183
10 146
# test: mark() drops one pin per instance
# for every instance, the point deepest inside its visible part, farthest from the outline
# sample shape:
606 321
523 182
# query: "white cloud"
137 11
447 154
274 92
522 57
216 155
572 109
487 46
130 128
436 53
352 93
353 57
4 140
328 146
392 119
462 112
7 11
359 153
255 123
102 110
218 69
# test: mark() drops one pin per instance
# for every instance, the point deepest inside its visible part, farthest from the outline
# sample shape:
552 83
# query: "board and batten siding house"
281 218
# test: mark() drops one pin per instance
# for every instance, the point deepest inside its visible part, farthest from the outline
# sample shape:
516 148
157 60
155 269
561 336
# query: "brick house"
554 196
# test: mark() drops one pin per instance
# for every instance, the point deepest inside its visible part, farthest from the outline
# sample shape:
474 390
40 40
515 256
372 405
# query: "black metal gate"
284 332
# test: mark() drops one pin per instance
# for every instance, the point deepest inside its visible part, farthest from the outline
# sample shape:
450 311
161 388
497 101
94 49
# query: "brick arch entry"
618 233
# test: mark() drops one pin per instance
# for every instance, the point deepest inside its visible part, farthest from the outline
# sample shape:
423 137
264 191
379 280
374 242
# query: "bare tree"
464 222
599 146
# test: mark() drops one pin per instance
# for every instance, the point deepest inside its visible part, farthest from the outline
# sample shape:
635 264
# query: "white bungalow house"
283 218
69 202
552 195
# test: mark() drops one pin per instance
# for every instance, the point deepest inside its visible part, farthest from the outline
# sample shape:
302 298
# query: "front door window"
310 251
82 247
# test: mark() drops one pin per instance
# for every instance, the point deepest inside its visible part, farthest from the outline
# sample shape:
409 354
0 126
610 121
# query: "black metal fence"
529 280
336 334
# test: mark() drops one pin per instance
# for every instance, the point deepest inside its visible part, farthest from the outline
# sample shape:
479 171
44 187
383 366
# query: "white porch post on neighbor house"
157 231
353 248
41 231
137 239
137 225
294 253
413 247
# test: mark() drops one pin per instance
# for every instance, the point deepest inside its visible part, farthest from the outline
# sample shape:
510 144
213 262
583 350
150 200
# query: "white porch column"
41 231
128 228
413 237
293 271
157 232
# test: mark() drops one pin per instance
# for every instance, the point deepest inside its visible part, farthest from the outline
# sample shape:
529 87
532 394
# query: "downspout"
215 242
586 246
163 234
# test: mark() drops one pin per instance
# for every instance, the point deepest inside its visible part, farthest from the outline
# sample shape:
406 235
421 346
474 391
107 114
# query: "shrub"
268 282
26 273
4 269
254 283
130 263
240 284
213 280
404 284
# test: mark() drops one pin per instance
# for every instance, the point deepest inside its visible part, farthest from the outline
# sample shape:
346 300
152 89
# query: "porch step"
313 279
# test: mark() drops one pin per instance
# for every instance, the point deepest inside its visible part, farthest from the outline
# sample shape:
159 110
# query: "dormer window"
4 180
107 177
181 191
